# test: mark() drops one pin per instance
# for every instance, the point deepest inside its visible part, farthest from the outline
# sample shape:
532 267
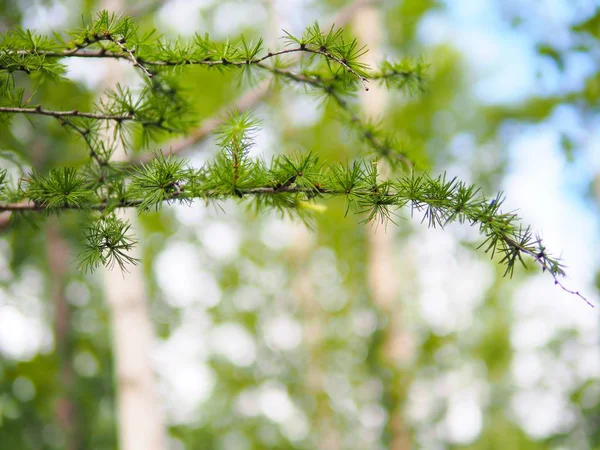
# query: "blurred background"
266 335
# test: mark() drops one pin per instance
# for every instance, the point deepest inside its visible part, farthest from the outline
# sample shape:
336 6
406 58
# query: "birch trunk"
140 416
382 268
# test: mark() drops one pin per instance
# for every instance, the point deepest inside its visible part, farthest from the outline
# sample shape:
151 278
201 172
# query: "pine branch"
247 100
117 32
368 132
291 181
288 184
140 62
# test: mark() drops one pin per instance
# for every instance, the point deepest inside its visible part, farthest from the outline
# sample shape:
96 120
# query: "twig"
72 113
28 205
141 63
132 58
61 115
537 257
343 104
85 134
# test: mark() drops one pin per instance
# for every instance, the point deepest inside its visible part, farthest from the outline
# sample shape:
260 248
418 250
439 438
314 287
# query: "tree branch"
28 205
246 101
141 63
389 198
130 55
38 110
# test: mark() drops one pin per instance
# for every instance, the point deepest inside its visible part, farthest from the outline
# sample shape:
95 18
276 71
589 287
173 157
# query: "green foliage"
591 25
61 188
161 180
108 243
290 181
331 66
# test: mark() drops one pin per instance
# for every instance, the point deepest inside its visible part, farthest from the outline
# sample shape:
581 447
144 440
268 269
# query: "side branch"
38 110
382 148
130 55
141 62
28 205
541 259
374 200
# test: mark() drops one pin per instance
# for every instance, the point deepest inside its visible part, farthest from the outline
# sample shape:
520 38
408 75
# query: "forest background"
265 334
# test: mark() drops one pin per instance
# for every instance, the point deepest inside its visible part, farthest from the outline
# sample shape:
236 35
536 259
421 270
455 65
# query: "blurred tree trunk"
382 268
313 316
140 416
313 321
58 260
141 423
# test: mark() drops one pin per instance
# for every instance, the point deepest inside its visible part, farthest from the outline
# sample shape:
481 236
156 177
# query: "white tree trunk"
382 269
140 415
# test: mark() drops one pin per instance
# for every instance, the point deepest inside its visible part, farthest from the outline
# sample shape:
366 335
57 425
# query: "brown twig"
141 63
545 267
38 110
28 205
130 55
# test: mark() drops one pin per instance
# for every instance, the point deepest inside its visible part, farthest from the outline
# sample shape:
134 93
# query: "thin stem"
27 205
545 267
141 63
38 110
85 134
319 83
61 115
130 53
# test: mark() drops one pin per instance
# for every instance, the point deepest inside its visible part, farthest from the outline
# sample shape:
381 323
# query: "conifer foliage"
326 63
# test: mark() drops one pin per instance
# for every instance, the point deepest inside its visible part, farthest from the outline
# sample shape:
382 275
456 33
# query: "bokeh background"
267 335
